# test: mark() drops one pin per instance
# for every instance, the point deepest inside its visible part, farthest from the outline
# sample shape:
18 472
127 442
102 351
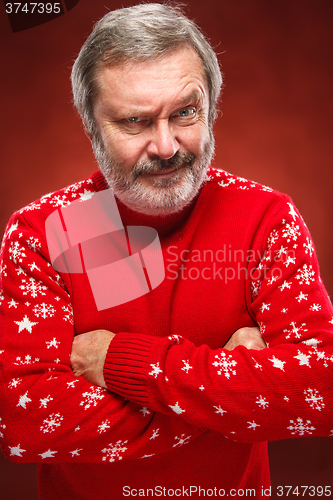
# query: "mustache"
158 165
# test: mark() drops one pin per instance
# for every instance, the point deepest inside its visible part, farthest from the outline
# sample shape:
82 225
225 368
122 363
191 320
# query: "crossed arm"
89 351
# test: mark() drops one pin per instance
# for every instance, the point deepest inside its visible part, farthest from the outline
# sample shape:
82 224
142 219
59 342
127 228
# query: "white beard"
157 196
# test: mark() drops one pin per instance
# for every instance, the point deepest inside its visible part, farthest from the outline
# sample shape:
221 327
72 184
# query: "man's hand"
88 355
249 337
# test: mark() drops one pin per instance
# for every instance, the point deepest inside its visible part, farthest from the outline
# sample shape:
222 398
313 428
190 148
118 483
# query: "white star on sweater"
24 400
303 359
177 409
47 454
277 363
25 324
86 195
16 451
75 453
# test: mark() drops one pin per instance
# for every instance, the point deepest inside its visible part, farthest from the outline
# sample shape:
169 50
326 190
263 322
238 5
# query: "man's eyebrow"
193 96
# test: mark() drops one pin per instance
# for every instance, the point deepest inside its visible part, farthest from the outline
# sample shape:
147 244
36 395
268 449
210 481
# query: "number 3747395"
302 491
33 8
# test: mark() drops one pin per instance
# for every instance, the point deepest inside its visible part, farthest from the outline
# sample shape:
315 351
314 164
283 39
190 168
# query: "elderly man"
136 396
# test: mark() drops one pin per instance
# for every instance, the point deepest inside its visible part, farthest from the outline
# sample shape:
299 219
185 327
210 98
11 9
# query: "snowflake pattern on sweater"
288 387
72 421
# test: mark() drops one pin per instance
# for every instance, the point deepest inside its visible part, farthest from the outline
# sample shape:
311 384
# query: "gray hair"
139 33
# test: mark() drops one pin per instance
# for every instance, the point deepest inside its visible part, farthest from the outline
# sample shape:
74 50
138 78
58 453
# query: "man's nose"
163 143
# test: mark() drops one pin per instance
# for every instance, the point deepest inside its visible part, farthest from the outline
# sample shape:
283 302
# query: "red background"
276 128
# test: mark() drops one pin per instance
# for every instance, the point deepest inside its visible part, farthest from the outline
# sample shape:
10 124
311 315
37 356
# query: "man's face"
152 120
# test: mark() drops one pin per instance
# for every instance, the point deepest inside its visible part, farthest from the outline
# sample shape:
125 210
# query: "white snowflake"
16 252
225 364
104 426
230 181
255 288
52 343
59 201
156 370
34 244
113 452
44 402
306 275
181 440
3 427
272 238
283 251
155 434
315 307
27 360
187 365
68 316
291 232
309 249
30 207
32 287
144 411
14 383
253 425
72 383
265 307
262 402
272 280
295 330
302 296
314 399
44 310
289 260
3 268
91 398
285 284
33 267
301 427
321 356
51 423
219 410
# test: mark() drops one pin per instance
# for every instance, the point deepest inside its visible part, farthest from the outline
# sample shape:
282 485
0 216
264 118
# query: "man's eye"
134 119
186 112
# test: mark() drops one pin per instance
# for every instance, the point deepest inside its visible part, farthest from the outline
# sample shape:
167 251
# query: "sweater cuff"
126 363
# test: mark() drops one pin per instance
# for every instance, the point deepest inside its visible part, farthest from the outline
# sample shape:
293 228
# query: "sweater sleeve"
281 392
46 414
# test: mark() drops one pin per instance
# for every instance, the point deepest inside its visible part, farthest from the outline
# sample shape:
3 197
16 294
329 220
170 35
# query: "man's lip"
163 174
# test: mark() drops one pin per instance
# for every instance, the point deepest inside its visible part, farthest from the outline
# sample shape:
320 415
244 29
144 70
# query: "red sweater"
181 411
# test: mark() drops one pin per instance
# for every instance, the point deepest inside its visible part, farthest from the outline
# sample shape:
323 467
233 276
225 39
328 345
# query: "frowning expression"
152 120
